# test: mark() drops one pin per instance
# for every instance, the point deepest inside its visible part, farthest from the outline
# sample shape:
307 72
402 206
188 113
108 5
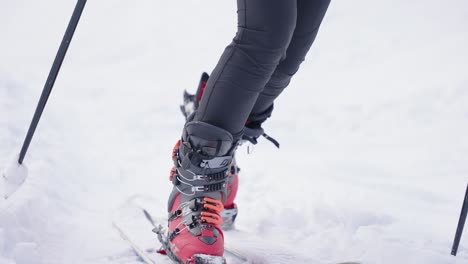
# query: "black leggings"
272 40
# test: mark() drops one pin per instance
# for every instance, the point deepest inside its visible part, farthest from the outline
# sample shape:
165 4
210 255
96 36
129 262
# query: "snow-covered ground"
373 130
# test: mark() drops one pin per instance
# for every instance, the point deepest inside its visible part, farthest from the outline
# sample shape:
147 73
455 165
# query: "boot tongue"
210 140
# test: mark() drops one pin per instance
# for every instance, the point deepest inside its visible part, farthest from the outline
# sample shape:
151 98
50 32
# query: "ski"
144 256
135 220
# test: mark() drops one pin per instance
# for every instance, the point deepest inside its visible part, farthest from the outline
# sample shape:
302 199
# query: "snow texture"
12 178
373 159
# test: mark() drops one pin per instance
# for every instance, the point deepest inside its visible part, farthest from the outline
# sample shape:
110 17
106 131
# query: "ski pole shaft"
52 76
461 224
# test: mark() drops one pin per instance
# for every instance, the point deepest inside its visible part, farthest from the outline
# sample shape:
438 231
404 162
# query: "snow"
373 159
12 178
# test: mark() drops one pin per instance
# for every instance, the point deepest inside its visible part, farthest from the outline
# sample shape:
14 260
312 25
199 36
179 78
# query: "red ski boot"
203 160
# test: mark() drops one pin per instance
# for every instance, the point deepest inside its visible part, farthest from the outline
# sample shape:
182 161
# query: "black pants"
272 40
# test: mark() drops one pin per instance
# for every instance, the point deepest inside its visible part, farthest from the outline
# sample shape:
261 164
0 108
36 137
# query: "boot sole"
197 258
207 259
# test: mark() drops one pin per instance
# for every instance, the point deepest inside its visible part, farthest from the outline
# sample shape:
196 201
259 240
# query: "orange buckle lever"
213 205
211 218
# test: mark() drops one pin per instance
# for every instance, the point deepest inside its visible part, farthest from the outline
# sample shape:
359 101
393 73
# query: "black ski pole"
52 76
461 224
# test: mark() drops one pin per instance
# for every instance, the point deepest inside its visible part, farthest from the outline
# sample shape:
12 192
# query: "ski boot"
252 132
203 160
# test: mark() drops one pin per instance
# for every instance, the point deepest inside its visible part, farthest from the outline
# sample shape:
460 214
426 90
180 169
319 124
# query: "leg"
265 29
204 157
309 16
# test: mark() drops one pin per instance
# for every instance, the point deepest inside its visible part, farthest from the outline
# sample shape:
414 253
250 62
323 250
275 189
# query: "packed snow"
373 130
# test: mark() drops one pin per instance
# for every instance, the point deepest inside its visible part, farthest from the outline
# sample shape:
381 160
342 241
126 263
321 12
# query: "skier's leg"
204 157
265 29
309 17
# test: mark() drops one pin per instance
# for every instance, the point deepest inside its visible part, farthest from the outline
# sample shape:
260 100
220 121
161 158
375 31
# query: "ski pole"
461 224
52 76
